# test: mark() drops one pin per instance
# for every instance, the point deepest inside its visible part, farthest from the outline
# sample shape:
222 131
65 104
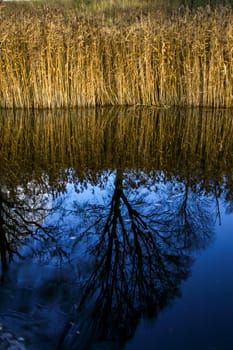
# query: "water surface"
116 229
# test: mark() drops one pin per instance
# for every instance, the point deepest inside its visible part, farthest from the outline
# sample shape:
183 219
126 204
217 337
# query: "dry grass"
65 56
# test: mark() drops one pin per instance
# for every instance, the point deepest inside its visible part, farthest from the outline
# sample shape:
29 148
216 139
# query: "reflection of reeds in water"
97 139
60 57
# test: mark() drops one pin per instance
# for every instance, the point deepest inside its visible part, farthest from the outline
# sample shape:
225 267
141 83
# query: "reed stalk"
58 56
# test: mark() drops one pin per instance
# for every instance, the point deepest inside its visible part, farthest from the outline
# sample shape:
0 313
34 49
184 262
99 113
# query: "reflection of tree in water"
142 255
22 213
228 194
13 228
139 245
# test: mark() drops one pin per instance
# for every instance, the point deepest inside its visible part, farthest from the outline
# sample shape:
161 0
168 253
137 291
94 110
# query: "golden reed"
56 56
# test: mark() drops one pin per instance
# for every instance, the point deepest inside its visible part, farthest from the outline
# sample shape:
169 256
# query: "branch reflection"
143 243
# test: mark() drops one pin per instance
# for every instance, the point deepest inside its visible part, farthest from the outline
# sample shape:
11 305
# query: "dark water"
116 229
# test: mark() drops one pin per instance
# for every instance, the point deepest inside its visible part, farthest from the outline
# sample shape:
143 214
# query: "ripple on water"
8 340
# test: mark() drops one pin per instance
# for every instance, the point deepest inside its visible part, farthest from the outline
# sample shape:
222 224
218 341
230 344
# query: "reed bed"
62 56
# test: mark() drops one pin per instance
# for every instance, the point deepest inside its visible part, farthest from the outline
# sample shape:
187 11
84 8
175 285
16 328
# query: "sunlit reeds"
57 56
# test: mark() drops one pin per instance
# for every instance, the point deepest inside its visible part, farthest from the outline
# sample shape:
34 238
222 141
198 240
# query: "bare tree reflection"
13 229
141 256
228 193
132 249
22 214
